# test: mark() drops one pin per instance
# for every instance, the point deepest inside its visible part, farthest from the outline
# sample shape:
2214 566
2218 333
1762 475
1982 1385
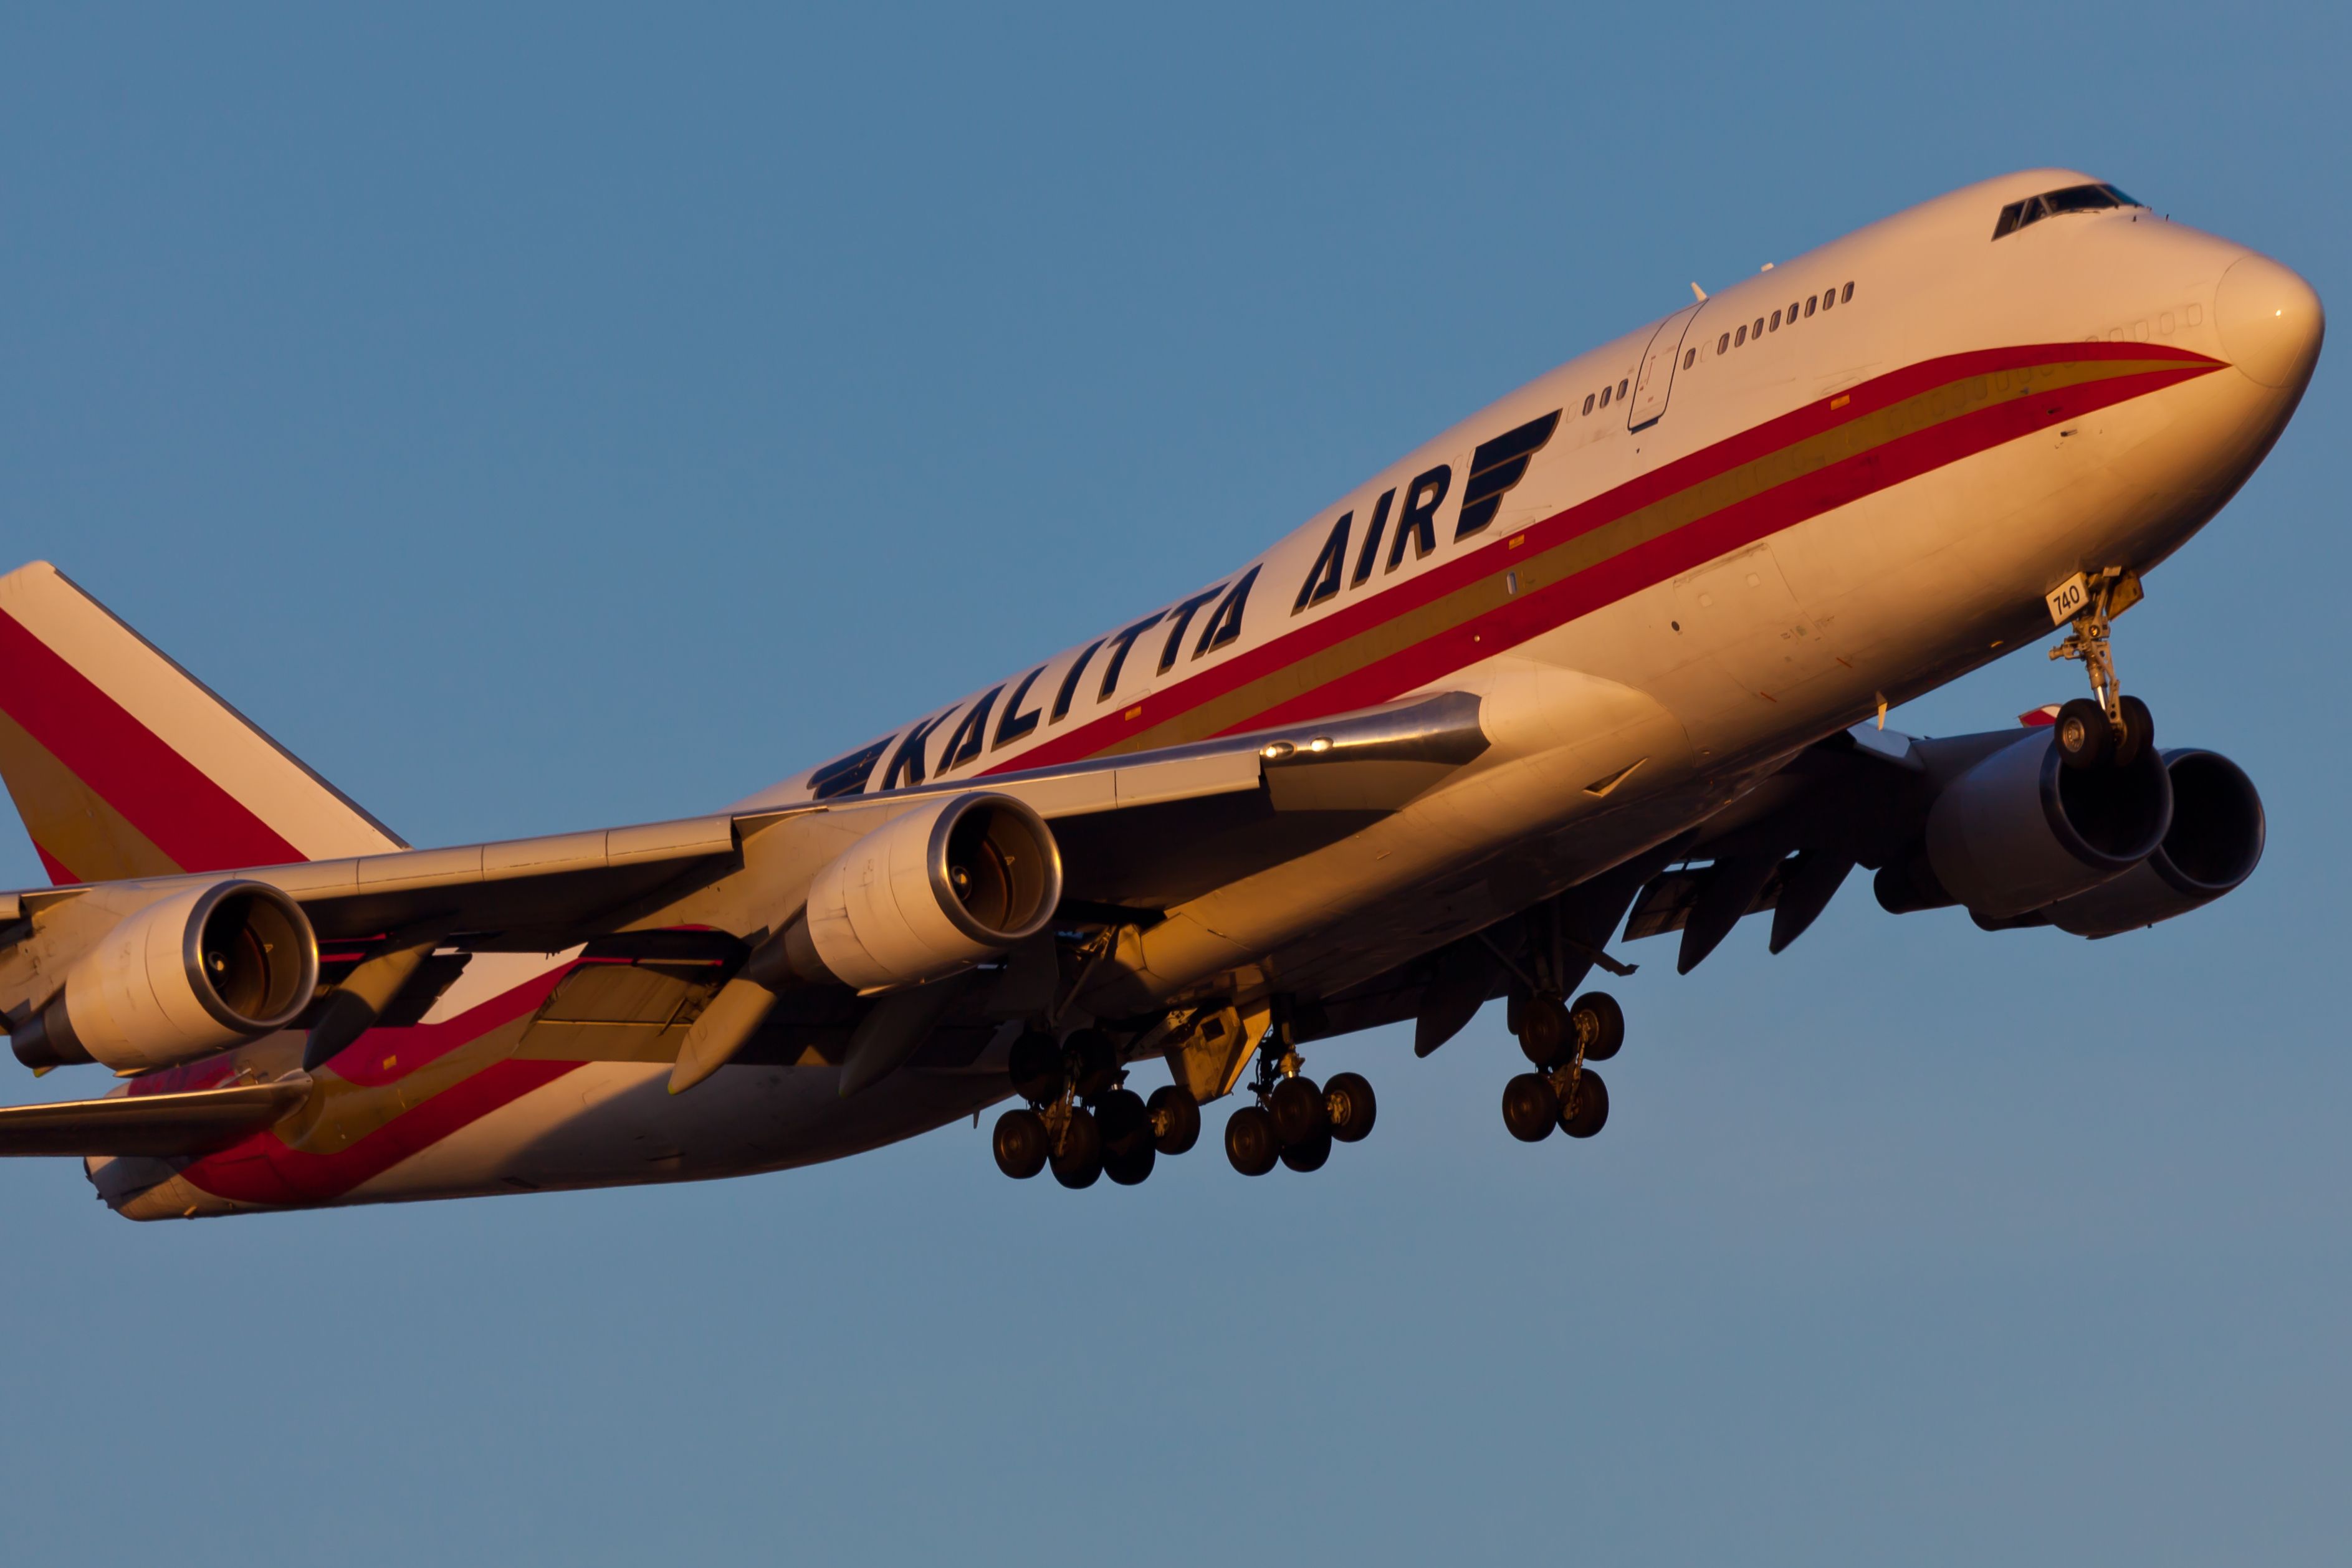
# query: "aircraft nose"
2270 319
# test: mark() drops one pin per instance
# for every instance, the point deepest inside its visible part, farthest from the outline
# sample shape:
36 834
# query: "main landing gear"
1296 1121
1081 1120
1562 1091
2106 728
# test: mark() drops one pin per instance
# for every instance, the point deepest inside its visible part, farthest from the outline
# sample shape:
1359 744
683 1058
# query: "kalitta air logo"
1212 619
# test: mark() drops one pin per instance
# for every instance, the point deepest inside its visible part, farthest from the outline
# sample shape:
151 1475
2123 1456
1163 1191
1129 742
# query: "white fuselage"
1696 667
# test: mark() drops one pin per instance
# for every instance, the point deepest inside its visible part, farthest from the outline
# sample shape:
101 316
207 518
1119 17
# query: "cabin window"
1723 344
1588 403
1604 397
1739 340
1776 320
1828 298
1622 386
1690 358
1845 295
1812 301
1759 328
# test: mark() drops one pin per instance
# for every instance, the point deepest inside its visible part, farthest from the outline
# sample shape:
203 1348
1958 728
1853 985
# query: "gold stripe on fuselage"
1545 564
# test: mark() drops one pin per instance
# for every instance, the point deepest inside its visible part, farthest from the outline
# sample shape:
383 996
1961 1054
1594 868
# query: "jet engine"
2214 842
192 974
2020 830
934 890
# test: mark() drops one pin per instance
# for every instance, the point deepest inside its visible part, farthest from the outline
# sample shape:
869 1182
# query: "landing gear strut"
1296 1120
2108 727
1081 1120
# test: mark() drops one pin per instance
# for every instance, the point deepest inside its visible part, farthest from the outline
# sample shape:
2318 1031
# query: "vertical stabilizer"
123 764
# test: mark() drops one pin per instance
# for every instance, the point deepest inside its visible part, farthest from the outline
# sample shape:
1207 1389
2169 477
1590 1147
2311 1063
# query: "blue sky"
561 416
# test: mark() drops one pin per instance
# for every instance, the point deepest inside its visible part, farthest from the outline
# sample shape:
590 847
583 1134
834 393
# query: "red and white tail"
123 764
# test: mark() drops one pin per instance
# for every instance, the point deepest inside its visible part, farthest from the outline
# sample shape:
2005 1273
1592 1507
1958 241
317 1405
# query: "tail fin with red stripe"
123 764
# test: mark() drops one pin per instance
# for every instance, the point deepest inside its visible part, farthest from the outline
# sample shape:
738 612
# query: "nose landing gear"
2105 728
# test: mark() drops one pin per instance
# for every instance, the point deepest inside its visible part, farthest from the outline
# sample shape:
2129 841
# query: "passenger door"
1655 383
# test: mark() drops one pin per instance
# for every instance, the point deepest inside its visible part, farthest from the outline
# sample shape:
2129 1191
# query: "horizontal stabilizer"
193 1123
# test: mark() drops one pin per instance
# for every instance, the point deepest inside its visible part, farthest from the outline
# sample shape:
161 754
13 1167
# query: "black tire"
1079 1161
2139 731
1128 1170
1175 1120
1092 1059
1349 1106
1590 1114
1531 1110
1035 1066
1296 1107
1598 1020
1309 1155
1250 1142
1126 1125
2084 737
1544 1034
1022 1144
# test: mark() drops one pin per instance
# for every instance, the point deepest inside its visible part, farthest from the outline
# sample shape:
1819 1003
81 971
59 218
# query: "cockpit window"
2072 199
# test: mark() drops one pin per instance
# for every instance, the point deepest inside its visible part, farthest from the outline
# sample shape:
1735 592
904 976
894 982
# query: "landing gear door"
1655 381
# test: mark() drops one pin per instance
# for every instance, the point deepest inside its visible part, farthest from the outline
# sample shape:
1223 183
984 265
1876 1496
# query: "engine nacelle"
194 973
934 890
2214 844
2020 830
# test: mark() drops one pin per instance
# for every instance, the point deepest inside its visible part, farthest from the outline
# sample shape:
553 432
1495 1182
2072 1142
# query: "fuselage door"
1655 381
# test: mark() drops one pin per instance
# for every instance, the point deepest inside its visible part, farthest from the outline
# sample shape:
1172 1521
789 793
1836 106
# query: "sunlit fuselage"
1753 540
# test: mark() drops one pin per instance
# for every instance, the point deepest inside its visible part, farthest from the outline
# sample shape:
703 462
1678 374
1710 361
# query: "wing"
1993 823
1137 834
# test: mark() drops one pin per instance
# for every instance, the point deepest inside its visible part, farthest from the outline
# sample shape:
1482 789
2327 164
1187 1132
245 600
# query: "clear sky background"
554 418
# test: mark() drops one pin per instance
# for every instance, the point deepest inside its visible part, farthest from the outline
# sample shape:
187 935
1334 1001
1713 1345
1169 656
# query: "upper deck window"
2072 199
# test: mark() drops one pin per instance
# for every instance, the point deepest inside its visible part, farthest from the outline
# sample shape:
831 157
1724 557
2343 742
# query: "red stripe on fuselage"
1641 567
180 808
263 1169
385 1055
1735 526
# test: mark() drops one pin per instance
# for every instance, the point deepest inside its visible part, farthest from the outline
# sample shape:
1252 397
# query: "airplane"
1610 659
